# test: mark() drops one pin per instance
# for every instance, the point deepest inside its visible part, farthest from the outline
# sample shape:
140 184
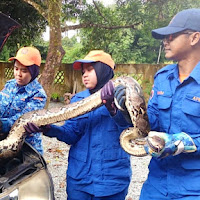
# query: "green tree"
72 49
133 45
51 11
157 13
106 33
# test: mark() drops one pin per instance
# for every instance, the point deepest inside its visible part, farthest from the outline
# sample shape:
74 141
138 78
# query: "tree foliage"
158 13
123 29
33 25
72 50
133 45
112 39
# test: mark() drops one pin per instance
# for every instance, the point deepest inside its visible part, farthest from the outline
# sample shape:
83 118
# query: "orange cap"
95 56
28 56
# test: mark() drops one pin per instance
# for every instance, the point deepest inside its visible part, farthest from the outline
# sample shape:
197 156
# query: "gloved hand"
119 99
32 128
107 96
161 144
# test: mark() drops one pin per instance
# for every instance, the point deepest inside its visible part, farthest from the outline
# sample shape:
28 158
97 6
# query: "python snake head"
155 143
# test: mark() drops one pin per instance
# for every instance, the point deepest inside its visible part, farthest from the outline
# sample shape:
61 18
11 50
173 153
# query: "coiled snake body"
135 105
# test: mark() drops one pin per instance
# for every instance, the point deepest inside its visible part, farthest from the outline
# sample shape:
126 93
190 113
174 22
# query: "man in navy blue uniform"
174 113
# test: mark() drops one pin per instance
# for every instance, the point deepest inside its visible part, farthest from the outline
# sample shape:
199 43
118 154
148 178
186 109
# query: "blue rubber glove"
32 128
120 98
107 96
161 145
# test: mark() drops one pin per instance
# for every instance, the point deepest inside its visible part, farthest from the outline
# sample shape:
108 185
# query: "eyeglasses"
171 37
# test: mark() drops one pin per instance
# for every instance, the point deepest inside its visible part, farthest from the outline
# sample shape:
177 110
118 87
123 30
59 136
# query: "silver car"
26 177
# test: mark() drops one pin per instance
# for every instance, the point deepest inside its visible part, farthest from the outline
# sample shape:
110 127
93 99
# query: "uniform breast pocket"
114 153
164 101
164 104
191 110
107 122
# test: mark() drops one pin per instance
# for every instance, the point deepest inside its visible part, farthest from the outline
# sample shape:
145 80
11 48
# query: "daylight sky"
105 2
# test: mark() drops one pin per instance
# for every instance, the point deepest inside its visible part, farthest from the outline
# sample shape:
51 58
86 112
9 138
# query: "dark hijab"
104 74
34 71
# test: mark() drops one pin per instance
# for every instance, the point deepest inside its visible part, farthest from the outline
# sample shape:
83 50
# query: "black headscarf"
34 71
104 74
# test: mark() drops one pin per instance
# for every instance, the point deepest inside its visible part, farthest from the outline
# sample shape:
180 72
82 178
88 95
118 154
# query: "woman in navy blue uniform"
23 93
98 167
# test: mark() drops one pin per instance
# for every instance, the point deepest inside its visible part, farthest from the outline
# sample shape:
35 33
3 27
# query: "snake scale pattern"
135 105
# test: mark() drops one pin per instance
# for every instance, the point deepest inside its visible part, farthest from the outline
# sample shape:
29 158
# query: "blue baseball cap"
188 19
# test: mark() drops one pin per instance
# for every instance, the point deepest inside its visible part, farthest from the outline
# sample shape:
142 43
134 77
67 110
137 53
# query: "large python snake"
134 103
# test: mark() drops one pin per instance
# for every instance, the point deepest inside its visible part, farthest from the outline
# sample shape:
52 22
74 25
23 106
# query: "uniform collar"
29 87
174 73
195 73
83 94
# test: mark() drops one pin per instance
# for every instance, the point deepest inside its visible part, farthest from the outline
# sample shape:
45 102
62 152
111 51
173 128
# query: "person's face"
89 76
177 46
21 73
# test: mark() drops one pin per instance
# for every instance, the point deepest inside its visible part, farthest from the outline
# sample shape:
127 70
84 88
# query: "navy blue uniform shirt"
174 107
97 163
